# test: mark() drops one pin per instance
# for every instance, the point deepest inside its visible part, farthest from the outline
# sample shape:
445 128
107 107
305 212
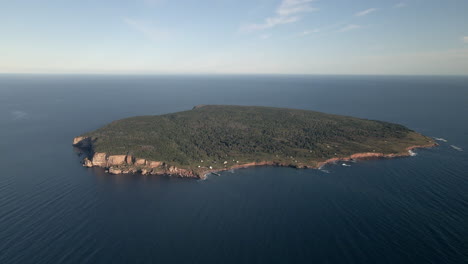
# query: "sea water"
404 210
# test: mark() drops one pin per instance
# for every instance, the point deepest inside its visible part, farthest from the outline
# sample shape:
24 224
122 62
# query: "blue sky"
234 36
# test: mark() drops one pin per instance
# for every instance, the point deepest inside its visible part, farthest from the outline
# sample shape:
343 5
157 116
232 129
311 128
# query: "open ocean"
405 210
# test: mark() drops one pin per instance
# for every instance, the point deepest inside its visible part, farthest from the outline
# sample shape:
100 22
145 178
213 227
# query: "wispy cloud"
349 28
265 36
400 5
18 115
269 23
465 39
290 7
366 12
287 12
146 28
308 32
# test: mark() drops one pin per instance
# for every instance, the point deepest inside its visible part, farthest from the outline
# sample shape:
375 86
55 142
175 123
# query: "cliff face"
121 164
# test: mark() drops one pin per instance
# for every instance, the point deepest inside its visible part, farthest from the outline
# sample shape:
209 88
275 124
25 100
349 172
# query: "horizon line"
225 74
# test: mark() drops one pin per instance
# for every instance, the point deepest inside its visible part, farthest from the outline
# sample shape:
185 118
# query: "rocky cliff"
123 164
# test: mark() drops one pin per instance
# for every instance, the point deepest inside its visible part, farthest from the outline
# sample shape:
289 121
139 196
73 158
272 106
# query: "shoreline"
127 164
356 157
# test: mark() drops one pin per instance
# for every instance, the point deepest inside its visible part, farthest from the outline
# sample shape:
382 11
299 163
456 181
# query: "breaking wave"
456 148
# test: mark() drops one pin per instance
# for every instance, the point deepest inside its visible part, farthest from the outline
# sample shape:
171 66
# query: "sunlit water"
406 210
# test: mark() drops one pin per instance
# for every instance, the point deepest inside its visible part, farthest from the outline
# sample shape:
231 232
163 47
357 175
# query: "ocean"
404 210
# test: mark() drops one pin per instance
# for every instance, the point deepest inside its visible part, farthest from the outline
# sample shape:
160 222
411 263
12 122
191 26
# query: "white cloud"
265 36
366 12
349 28
287 12
400 5
465 39
308 32
146 29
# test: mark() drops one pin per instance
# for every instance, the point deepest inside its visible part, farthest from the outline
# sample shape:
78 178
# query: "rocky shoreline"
374 155
125 164
354 157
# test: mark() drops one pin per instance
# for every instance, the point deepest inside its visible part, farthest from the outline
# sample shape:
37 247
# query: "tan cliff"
122 164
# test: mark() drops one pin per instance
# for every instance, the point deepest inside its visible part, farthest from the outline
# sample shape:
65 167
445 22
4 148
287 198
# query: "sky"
410 37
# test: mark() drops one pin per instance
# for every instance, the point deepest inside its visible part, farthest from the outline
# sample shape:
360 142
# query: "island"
213 138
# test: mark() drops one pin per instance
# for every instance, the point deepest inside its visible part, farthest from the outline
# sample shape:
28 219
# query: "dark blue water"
407 210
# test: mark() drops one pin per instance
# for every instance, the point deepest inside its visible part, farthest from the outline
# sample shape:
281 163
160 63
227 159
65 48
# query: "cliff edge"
125 164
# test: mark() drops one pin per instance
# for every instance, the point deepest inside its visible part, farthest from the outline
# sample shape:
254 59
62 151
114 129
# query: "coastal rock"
172 170
124 164
154 164
100 159
77 140
115 160
140 162
83 142
113 170
129 159
87 163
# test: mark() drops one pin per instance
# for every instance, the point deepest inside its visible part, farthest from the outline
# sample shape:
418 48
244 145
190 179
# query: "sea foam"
456 148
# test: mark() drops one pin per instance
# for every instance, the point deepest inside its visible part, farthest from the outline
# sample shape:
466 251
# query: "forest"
220 134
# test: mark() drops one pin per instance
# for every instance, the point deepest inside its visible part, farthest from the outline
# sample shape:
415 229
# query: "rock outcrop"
116 160
129 159
154 164
114 170
99 159
140 162
82 142
122 164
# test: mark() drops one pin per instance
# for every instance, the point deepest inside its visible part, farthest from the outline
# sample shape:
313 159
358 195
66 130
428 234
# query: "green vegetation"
242 134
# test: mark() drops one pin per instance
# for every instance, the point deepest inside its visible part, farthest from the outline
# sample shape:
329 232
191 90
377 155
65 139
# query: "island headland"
213 138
